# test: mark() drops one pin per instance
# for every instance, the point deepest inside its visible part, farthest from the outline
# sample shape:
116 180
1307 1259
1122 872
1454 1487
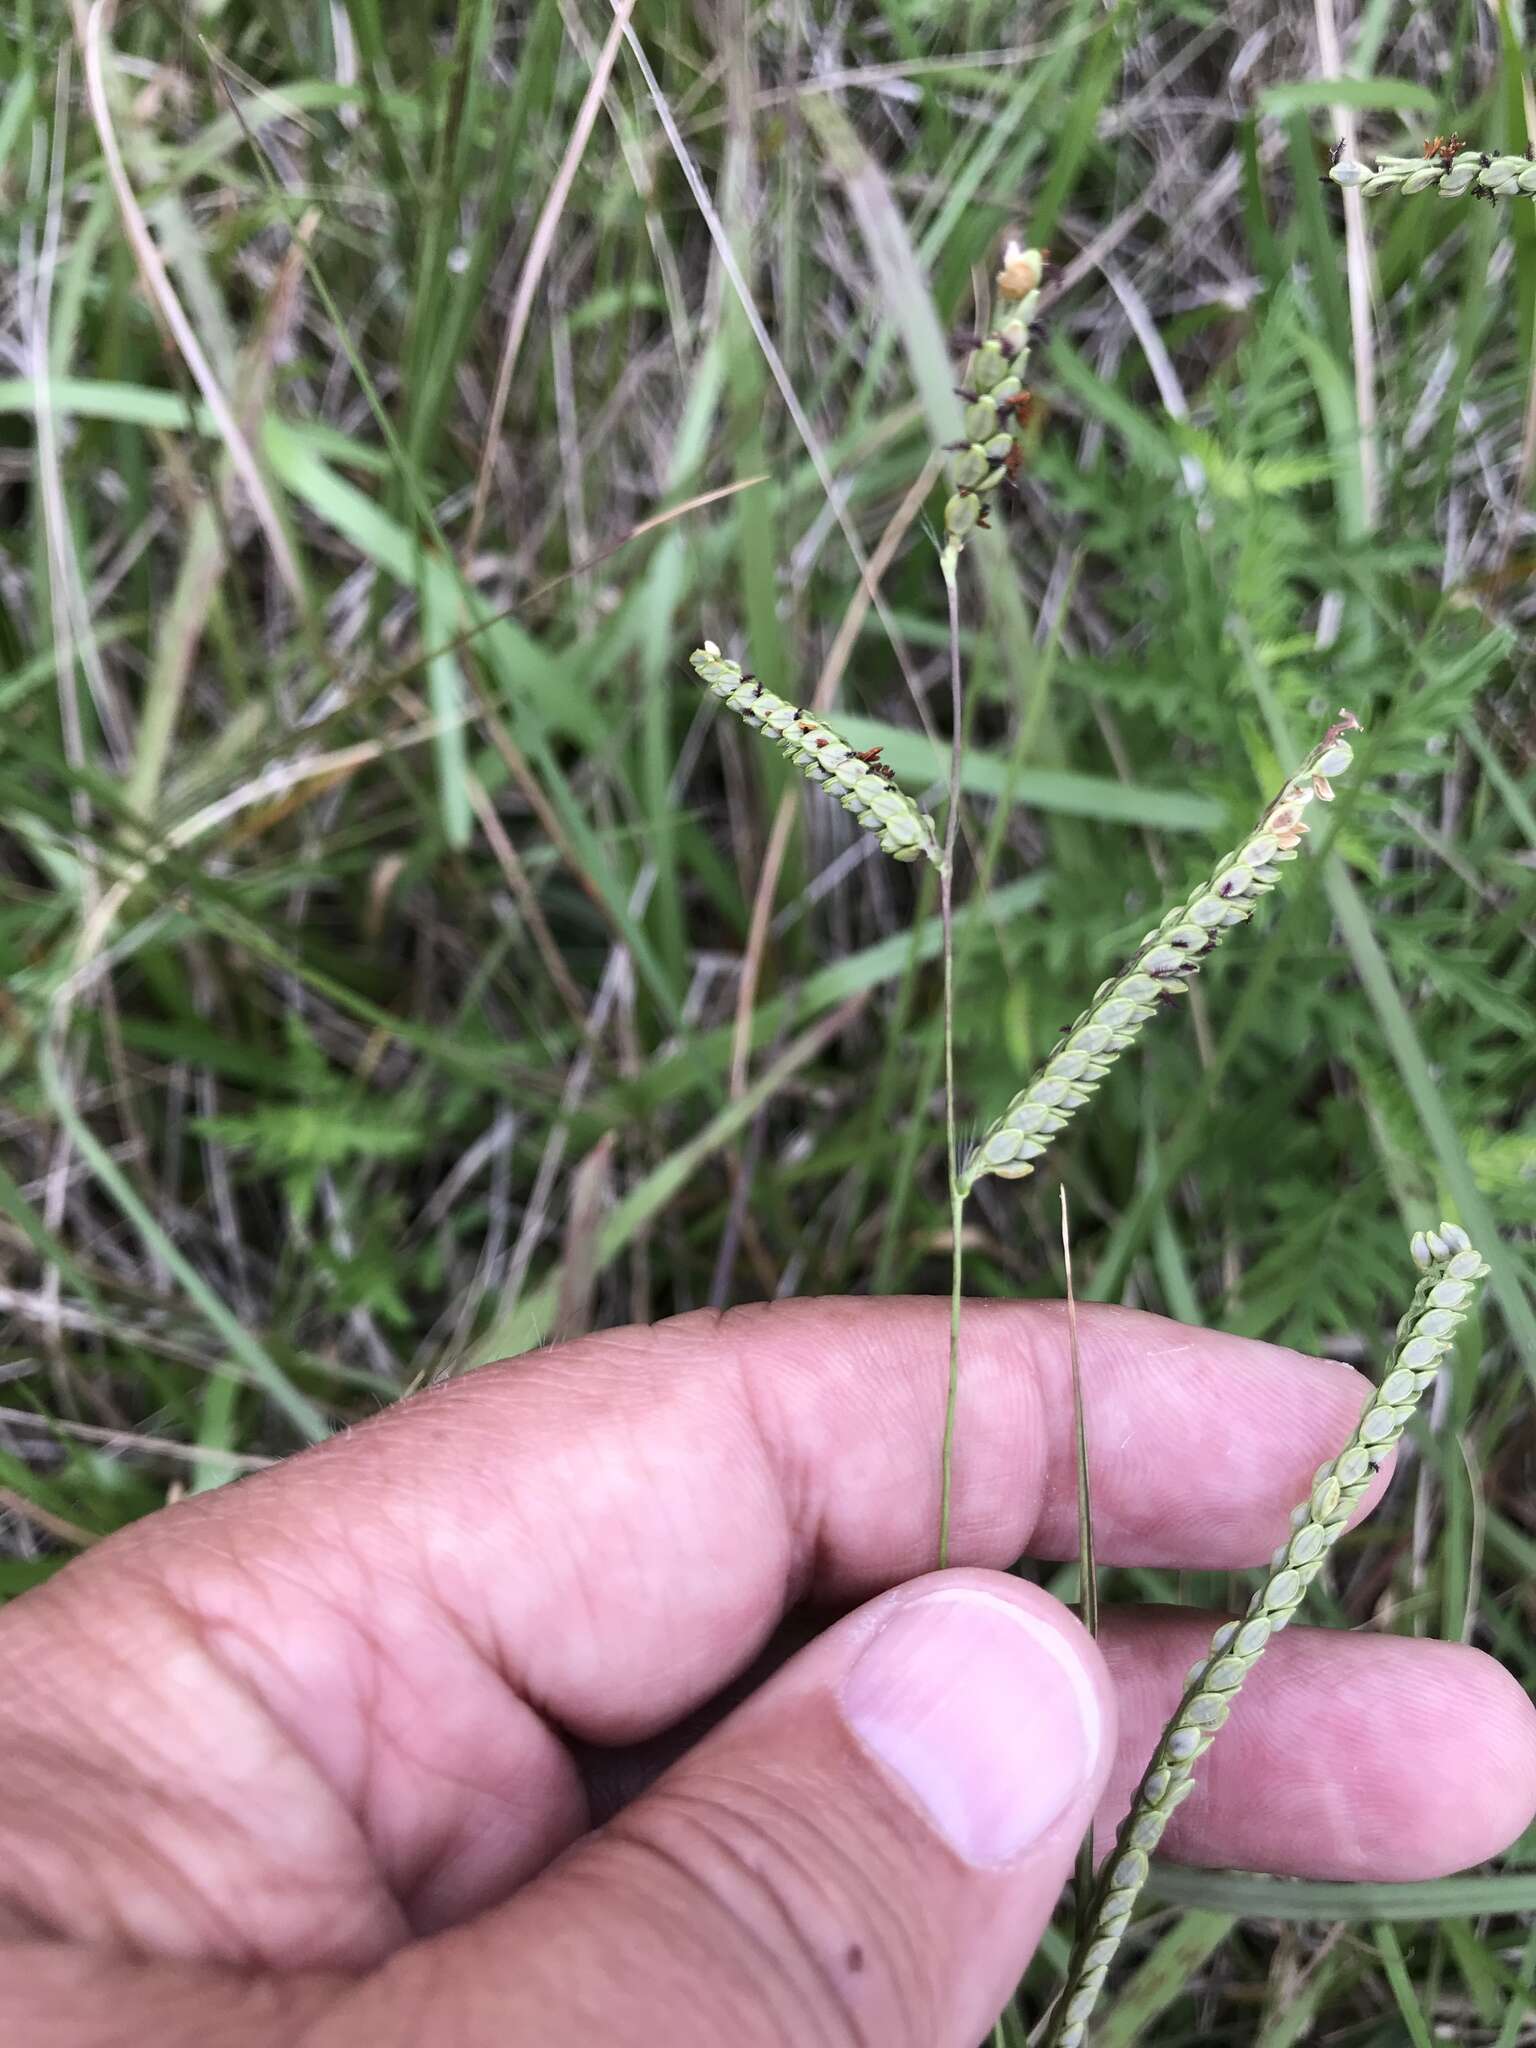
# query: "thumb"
866 1851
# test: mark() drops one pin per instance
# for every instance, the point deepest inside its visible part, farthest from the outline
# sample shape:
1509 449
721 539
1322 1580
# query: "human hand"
303 1761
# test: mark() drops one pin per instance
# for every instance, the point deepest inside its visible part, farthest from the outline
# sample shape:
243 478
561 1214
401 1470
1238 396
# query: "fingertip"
1199 1443
1369 1757
1483 1796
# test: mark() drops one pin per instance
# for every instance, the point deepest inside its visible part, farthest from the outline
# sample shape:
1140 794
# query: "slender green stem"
1087 1564
951 1138
947 1456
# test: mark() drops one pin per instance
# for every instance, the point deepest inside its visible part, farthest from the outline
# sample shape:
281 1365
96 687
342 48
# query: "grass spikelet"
1161 966
996 400
860 782
1450 1271
1446 166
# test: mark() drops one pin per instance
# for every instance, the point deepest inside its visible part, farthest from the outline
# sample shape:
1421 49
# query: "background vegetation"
379 983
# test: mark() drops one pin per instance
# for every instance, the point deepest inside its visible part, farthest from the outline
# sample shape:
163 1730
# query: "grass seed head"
996 400
862 783
1447 1261
1159 968
1445 165
1021 272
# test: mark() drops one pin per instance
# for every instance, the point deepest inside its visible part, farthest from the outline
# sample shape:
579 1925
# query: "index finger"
679 1487
349 1678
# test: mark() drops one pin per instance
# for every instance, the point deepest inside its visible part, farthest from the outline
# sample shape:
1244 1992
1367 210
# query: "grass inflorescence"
1161 966
996 398
1446 167
862 784
1444 1297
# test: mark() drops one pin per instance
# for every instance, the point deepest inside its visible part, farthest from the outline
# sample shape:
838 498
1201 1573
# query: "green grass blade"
1506 1283
1396 1972
307 1419
1251 1897
917 763
1163 1977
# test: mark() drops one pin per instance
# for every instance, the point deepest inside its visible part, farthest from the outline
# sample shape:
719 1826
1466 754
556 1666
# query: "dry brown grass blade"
510 862
92 29
272 792
1357 263
656 520
516 764
44 1519
810 439
204 557
382 683
134 1440
537 258
591 1189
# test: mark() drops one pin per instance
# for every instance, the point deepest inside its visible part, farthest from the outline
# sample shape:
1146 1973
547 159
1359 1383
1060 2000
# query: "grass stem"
1087 1565
951 1137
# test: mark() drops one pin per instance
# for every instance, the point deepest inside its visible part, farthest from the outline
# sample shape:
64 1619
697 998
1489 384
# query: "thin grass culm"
860 781
1161 966
1450 1271
951 1121
996 408
1087 1560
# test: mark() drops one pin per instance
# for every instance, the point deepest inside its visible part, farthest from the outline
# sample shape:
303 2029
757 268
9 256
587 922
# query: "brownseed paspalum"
1449 1272
1160 967
860 782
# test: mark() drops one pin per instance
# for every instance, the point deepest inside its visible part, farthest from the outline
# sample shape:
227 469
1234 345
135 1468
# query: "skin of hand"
303 1761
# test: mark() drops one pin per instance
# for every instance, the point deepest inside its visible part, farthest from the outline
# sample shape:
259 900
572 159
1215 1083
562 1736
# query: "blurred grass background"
380 989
